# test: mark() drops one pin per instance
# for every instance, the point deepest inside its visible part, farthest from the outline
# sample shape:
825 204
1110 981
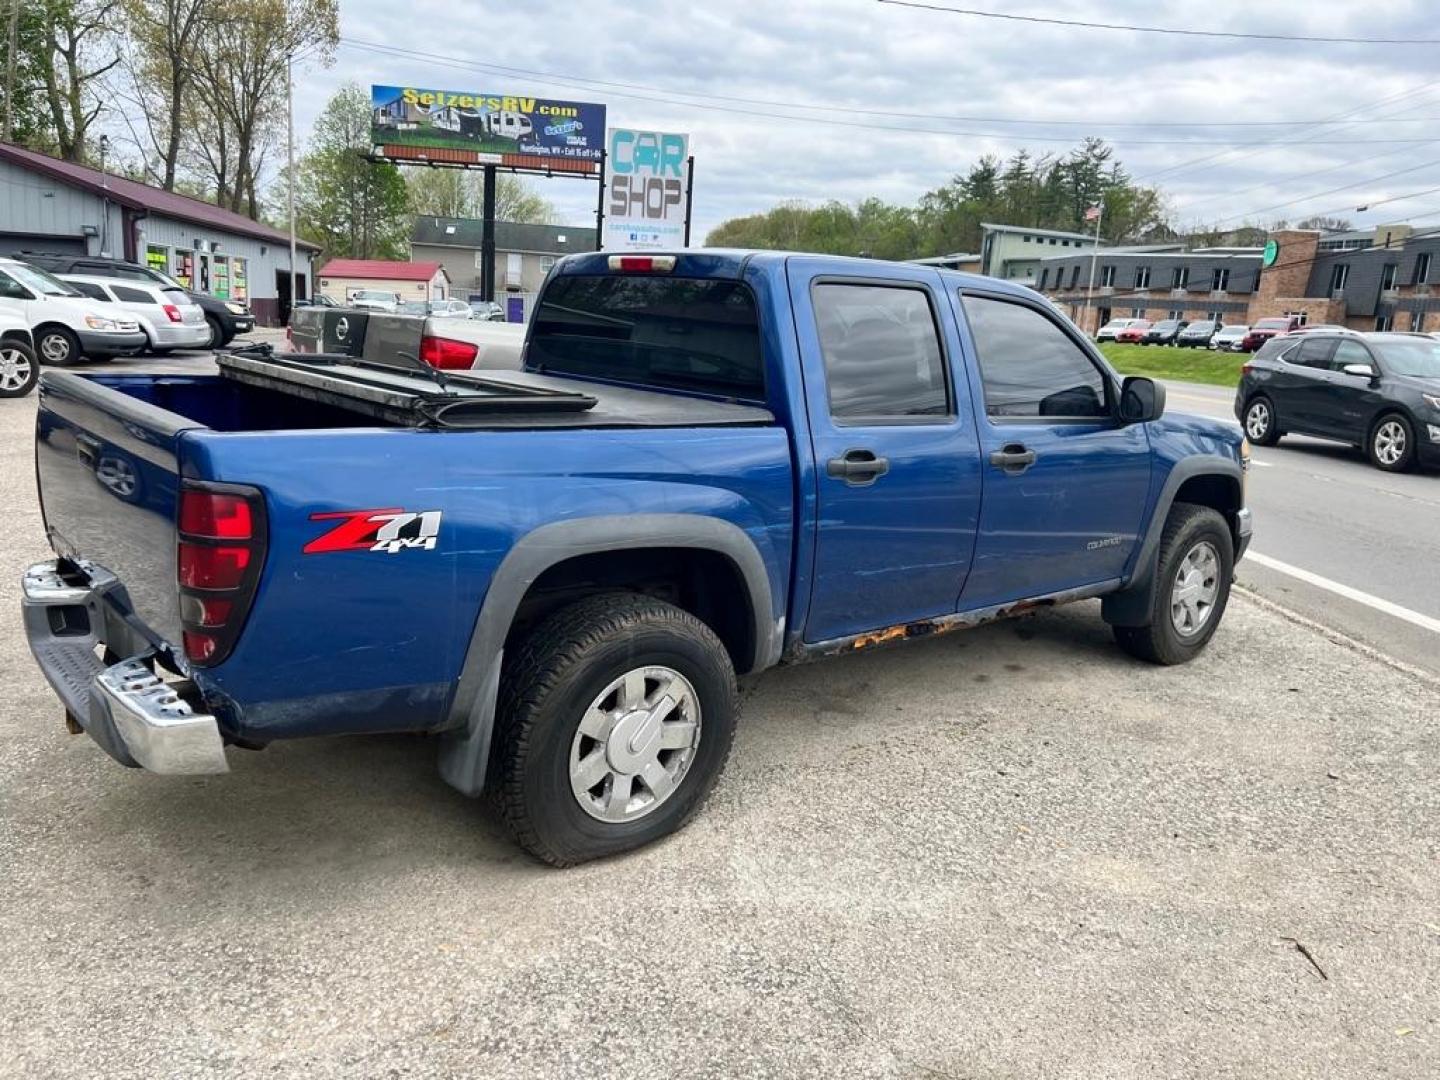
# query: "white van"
18 368
169 318
66 325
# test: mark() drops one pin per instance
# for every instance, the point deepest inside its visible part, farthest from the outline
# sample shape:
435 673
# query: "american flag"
1092 213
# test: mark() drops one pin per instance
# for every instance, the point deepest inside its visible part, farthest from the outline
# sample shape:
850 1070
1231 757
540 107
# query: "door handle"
1013 458
858 468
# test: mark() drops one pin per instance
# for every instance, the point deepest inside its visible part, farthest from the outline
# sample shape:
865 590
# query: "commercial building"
340 279
51 205
1375 279
523 253
1014 252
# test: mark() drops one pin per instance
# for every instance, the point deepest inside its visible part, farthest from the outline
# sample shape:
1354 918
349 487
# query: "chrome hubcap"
54 348
1257 420
14 369
1196 588
635 744
1390 442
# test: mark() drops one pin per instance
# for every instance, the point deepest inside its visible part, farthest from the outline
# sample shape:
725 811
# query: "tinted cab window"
882 353
1029 366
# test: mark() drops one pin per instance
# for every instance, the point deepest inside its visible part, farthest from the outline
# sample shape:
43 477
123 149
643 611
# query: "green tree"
460 193
349 205
26 106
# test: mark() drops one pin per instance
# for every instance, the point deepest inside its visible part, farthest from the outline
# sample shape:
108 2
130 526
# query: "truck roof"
730 262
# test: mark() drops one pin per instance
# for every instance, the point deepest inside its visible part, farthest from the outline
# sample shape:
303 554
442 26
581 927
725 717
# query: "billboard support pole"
689 194
487 238
600 204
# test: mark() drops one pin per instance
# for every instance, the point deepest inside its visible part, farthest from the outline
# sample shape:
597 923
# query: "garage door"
14 243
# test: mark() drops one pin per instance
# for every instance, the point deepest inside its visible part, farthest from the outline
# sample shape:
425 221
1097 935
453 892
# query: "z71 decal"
390 531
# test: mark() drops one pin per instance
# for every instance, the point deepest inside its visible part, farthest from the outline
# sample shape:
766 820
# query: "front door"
1349 401
896 459
1066 484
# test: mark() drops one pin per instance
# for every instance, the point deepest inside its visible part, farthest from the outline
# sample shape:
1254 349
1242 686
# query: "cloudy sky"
822 99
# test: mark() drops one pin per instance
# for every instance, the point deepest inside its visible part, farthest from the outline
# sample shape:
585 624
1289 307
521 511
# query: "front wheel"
616 717
1194 569
18 369
1392 443
57 345
217 333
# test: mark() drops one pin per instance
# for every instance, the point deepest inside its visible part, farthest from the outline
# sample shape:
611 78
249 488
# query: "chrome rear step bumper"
135 716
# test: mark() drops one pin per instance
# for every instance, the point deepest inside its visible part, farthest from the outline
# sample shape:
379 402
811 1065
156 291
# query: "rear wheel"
1194 569
57 345
18 369
1392 443
1260 422
616 717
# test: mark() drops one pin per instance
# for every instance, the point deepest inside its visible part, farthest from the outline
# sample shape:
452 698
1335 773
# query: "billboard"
463 127
646 194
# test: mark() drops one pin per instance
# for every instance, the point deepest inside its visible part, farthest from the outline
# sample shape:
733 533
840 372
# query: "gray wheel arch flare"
1131 605
465 748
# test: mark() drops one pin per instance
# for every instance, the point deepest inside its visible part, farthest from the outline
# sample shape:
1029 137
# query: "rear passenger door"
1066 484
1302 378
896 459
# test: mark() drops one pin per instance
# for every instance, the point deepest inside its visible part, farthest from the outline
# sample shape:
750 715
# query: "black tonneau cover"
475 400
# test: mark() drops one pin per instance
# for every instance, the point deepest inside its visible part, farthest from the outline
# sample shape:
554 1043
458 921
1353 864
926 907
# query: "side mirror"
1360 371
1141 400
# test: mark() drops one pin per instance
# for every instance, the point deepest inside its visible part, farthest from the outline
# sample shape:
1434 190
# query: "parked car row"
1208 333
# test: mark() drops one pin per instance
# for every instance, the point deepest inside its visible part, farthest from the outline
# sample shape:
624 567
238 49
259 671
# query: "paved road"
1322 509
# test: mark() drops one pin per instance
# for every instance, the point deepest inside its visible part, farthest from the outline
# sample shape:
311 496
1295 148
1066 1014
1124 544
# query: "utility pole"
14 39
1094 254
290 156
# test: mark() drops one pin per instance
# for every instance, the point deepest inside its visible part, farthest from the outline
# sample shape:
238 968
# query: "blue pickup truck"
712 462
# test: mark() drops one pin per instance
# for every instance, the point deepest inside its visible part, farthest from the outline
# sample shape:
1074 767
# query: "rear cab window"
881 349
694 335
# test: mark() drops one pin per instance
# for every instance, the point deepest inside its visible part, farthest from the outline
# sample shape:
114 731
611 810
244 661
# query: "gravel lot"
1008 853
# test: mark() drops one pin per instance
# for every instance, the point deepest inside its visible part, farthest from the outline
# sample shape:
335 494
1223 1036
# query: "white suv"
66 325
169 318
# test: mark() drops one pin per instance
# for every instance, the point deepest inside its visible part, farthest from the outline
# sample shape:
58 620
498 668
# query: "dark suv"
1380 392
226 317
1163 332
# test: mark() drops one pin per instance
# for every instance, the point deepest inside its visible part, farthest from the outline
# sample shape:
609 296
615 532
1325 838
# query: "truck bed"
474 400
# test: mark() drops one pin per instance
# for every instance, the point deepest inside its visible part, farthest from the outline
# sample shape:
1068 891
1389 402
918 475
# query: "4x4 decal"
388 531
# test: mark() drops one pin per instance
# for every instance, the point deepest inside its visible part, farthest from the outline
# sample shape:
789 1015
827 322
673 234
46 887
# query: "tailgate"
106 464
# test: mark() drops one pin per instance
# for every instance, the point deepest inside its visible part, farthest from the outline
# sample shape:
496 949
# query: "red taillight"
447 354
206 566
215 515
221 546
642 264
173 312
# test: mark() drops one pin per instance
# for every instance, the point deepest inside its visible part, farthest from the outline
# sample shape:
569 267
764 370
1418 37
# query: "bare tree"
241 65
164 36
82 38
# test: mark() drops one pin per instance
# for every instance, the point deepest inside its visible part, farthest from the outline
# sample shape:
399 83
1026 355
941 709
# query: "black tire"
1187 528
19 370
57 345
551 680
1265 431
1380 443
217 333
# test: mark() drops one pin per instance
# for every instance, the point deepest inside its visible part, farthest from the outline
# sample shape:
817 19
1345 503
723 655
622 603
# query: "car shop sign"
647 192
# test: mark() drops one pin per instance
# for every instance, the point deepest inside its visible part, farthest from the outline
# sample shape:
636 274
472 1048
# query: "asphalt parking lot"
1007 853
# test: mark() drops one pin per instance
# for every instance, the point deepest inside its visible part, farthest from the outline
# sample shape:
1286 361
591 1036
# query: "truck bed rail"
385 392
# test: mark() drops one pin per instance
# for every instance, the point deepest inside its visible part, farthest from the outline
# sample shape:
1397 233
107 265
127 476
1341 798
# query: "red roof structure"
138 196
379 269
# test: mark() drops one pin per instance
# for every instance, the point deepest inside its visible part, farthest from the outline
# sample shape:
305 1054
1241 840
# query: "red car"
1264 329
1134 332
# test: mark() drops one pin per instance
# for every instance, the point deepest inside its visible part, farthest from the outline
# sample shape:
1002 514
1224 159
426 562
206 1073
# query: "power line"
1177 31
670 99
1334 190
